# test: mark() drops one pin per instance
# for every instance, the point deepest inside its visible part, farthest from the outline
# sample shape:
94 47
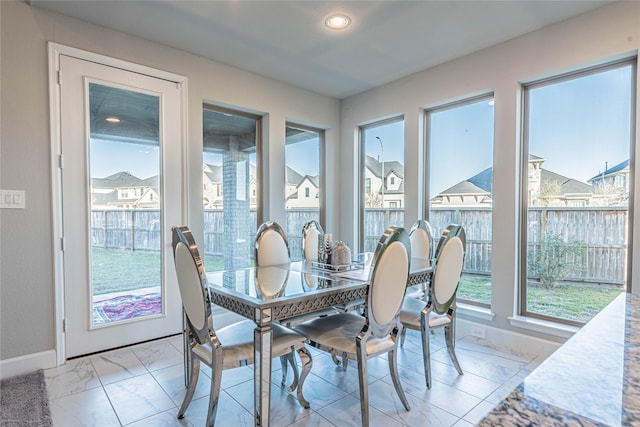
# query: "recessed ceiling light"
113 120
337 21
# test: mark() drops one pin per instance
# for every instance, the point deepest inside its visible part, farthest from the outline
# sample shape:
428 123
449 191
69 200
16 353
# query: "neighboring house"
613 183
306 195
545 188
393 182
125 191
212 186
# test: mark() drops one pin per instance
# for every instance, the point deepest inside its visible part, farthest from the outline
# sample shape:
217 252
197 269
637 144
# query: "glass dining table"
277 293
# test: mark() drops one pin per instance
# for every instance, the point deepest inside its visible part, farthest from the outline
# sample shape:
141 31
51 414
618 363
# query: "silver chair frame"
434 304
205 335
376 330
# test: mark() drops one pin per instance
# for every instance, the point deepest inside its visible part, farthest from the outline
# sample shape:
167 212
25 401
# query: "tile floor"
143 385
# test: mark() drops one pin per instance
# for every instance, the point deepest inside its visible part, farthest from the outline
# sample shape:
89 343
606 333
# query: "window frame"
321 167
523 202
361 174
427 115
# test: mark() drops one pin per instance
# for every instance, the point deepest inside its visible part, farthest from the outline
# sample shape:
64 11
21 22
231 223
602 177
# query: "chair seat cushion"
340 331
237 343
411 311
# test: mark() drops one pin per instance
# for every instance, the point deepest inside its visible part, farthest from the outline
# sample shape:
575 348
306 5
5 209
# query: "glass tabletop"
276 282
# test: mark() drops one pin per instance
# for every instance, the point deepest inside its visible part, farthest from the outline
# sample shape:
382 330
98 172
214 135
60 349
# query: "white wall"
26 270
604 33
26 275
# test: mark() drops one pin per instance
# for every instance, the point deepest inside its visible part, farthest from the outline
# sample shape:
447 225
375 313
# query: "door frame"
55 50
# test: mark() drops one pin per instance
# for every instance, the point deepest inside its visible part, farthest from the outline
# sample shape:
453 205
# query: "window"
460 183
393 181
230 162
382 153
575 225
303 154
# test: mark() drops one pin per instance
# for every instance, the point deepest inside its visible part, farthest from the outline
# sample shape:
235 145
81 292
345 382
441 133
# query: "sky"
576 125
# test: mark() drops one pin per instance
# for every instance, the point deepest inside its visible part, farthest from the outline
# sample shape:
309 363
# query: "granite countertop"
591 380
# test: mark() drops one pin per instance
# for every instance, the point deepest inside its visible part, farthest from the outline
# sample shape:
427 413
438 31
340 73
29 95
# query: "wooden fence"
601 232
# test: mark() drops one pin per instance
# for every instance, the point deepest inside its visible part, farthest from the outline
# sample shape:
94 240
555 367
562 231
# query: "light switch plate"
11 199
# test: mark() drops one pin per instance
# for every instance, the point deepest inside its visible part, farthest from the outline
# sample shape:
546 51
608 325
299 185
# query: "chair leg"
292 361
307 362
426 348
393 369
193 382
402 335
344 362
216 377
283 365
363 377
449 335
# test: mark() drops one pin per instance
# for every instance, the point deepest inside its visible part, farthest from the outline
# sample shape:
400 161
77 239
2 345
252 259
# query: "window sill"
544 326
475 312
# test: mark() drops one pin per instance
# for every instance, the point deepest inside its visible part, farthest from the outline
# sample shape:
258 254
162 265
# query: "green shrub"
555 260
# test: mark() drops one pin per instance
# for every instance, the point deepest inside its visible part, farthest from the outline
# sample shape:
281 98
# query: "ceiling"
287 40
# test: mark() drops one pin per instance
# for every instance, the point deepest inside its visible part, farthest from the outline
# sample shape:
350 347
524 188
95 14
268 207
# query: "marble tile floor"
143 385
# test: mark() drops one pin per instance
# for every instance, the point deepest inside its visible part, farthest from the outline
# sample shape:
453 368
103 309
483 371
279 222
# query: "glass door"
121 195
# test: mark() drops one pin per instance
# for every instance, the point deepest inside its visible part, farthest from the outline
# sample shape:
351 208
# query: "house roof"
609 171
214 173
152 181
293 177
482 183
393 166
465 187
117 180
315 180
567 185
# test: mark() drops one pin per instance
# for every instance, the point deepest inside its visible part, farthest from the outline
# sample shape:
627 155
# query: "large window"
382 179
230 187
460 178
303 193
575 224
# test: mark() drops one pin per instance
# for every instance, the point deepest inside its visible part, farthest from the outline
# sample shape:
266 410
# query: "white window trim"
547 327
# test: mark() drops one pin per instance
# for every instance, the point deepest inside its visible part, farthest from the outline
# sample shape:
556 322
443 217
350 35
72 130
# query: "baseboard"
502 338
27 363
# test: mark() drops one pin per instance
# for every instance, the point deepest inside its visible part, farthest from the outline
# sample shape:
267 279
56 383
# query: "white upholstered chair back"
389 274
192 283
271 246
421 236
448 268
311 233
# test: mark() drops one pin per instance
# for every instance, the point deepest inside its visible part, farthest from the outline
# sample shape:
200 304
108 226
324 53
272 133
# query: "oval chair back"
192 282
311 232
421 236
449 258
388 279
271 246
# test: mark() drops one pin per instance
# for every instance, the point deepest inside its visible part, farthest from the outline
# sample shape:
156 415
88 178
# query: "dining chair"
271 246
421 236
360 337
440 309
311 232
229 347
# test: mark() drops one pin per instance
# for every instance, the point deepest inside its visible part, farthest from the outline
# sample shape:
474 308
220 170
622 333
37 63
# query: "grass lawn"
116 270
571 301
